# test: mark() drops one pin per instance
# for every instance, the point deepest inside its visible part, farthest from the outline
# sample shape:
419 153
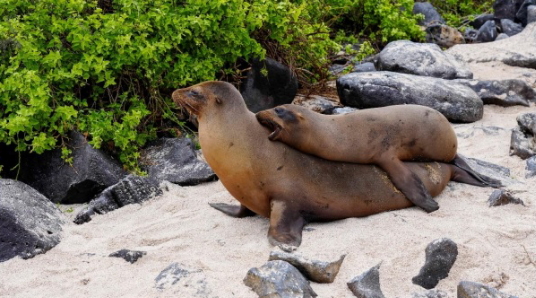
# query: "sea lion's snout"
267 119
188 99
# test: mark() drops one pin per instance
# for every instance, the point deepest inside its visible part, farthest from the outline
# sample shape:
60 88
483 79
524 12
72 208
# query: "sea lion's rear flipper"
484 180
233 210
286 225
410 185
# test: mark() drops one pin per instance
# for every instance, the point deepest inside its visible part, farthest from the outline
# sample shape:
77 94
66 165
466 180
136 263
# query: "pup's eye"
193 93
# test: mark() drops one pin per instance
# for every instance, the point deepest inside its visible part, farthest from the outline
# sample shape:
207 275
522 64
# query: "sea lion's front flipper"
409 184
286 225
233 210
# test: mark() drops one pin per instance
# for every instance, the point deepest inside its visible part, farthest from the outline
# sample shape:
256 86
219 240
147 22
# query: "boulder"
132 189
431 16
501 197
364 67
522 13
527 123
268 84
444 36
278 279
517 50
378 89
421 59
522 144
481 19
175 160
467 289
90 173
501 36
314 270
510 28
440 257
531 167
503 93
367 285
488 32
30 224
506 9
470 35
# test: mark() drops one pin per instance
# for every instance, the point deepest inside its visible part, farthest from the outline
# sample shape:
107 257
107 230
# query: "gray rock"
480 20
131 256
467 289
489 169
527 123
443 35
364 67
431 16
502 197
175 160
506 9
377 89
367 285
132 189
502 36
503 93
488 32
440 256
268 84
317 271
29 223
470 35
278 279
522 13
522 144
316 103
510 28
517 50
170 276
343 110
178 281
90 173
431 294
531 14
421 59
531 167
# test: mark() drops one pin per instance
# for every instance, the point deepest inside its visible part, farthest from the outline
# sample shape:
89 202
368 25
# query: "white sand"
494 244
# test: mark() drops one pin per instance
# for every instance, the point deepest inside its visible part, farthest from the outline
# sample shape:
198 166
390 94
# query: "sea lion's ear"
219 101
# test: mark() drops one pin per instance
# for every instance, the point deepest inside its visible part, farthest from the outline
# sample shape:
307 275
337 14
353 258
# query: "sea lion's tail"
465 174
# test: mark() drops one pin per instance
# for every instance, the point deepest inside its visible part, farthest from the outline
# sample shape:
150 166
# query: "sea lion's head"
199 98
280 120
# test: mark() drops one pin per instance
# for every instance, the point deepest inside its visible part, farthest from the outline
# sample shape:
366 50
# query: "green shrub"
458 12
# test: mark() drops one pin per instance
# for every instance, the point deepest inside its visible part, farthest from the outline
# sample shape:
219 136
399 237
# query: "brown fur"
283 184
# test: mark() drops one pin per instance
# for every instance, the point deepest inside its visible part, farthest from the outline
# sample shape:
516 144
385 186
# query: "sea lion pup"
382 136
289 187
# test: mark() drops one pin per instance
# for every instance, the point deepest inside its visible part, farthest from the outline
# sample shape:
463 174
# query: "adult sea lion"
287 186
383 136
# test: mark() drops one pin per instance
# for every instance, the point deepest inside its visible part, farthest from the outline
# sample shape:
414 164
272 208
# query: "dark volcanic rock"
317 271
91 172
421 59
278 279
178 281
527 122
522 13
440 256
467 289
502 197
502 36
268 84
378 89
132 189
510 28
531 167
175 160
488 32
522 144
506 9
503 93
364 67
481 19
29 223
431 16
470 35
367 285
128 255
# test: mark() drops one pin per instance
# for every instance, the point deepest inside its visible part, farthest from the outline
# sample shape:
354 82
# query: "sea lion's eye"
279 111
193 93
